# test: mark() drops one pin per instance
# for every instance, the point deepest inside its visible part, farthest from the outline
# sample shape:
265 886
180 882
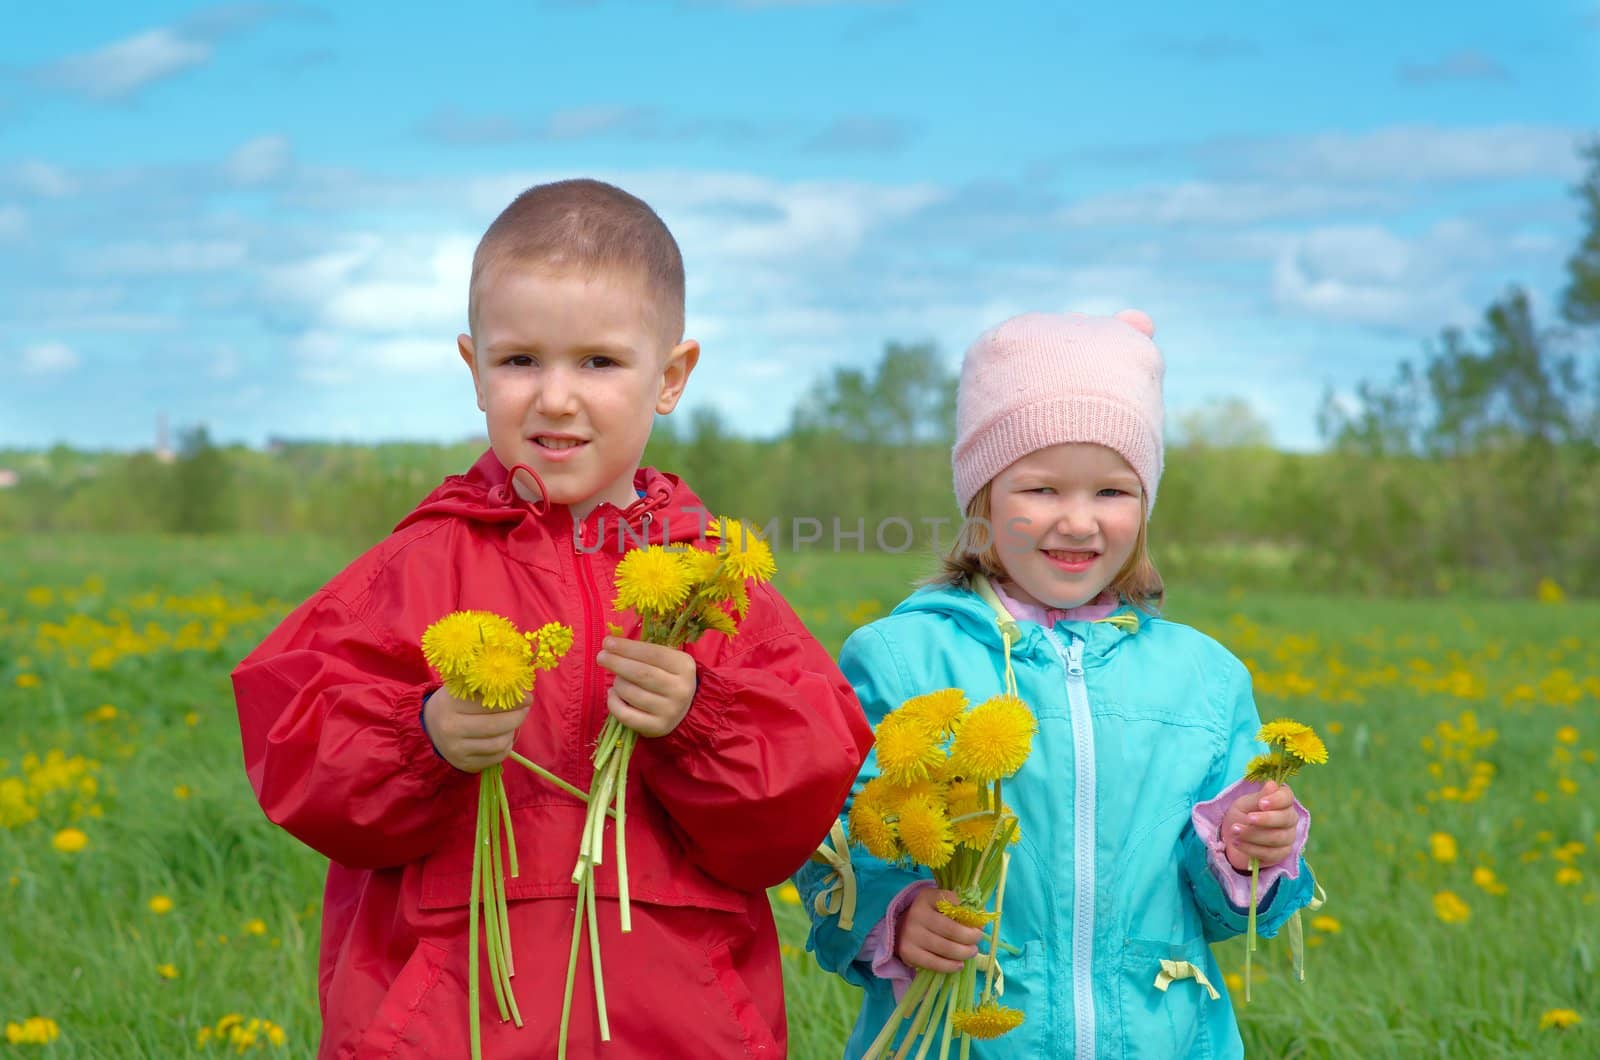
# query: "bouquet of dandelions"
1292 746
936 801
483 657
678 593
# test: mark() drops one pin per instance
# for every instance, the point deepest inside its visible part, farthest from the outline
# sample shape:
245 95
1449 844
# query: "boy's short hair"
586 226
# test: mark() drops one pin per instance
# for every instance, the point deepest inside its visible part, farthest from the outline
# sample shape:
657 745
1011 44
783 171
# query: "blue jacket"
1109 879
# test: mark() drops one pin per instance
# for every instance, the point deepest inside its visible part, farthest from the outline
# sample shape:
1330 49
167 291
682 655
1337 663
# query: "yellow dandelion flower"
994 739
714 618
167 971
964 800
1281 731
1308 747
1567 876
501 676
554 640
256 926
1443 847
181 792
925 833
651 581
938 712
703 567
965 916
1559 1019
1485 878
1263 768
160 905
35 1030
789 894
871 830
70 841
1448 907
905 749
27 680
1234 982
1567 734
895 795
451 643
987 1021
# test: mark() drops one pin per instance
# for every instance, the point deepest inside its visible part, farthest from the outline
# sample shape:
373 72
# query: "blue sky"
259 216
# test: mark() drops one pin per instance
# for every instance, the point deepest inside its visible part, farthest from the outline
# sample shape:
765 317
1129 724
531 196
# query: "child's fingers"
919 957
1278 798
1285 818
642 722
654 656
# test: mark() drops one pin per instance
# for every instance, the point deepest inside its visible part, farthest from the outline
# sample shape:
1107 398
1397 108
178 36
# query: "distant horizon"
1302 200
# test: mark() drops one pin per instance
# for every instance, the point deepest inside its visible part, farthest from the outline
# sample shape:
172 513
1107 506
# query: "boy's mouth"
557 442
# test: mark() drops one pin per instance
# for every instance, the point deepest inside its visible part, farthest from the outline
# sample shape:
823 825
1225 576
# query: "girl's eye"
1112 491
1043 490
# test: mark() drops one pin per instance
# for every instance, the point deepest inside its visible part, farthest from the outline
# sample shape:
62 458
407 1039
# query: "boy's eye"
598 361
520 360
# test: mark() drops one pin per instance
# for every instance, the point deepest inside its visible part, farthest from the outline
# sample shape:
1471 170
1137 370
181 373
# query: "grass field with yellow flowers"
148 909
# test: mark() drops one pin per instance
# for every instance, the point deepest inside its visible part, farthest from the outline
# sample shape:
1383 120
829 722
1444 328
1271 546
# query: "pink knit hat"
1043 379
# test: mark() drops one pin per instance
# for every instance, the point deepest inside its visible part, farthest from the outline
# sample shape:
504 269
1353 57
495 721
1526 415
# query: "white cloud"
124 67
1420 153
1222 203
435 299
13 222
331 358
40 178
48 358
258 161
1369 275
180 256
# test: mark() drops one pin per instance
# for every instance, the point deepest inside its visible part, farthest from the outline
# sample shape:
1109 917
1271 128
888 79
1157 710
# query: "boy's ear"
681 360
469 354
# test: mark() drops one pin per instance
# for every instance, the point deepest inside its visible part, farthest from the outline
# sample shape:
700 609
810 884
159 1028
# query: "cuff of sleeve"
878 949
1207 818
422 758
698 729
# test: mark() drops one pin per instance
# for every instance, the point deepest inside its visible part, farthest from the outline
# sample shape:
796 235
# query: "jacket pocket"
394 1031
759 1040
1170 1022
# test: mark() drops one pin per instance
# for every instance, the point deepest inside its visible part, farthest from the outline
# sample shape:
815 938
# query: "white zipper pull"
1074 656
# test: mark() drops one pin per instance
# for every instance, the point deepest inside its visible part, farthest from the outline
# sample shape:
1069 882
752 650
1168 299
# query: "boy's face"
570 371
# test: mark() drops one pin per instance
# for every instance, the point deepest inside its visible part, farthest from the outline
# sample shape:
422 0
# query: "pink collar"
1100 607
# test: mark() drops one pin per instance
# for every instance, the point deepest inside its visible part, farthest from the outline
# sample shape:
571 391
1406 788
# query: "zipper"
592 636
1083 841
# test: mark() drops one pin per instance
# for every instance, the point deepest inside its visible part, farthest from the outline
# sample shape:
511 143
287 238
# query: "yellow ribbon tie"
982 963
1174 970
838 896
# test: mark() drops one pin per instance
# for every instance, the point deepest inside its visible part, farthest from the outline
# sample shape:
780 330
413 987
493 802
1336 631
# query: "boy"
751 742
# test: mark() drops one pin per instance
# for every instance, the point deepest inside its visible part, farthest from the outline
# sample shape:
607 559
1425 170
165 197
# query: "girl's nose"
1076 520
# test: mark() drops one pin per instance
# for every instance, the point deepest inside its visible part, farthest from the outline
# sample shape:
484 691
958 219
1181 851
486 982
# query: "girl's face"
1066 520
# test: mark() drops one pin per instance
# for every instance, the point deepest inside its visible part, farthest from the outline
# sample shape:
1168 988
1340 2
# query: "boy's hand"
655 684
1261 826
469 736
929 939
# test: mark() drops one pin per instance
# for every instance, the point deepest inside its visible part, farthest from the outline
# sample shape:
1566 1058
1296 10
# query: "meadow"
148 909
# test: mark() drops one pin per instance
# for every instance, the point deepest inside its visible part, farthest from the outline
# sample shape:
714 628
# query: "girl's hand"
928 939
1261 826
469 736
655 684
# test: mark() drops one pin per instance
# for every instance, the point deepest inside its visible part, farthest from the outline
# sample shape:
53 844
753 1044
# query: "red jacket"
728 804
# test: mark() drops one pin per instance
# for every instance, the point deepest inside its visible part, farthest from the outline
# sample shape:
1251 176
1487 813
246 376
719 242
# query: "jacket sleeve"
330 718
877 675
1220 918
754 775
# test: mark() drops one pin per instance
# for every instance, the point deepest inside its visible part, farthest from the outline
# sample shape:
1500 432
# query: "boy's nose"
555 394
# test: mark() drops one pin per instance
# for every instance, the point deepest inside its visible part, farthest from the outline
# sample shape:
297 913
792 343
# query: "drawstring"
1174 970
540 506
1010 632
838 895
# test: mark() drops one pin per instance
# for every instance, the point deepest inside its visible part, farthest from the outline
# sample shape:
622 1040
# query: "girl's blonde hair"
974 552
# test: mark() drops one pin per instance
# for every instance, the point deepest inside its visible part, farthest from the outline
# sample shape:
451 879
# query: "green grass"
79 944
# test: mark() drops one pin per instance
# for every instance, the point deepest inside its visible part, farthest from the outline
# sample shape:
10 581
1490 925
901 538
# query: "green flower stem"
994 930
594 955
505 819
932 1003
474 1001
956 998
572 967
491 913
544 774
628 741
1250 928
914 993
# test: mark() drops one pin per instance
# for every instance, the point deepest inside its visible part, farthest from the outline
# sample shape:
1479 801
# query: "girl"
1135 849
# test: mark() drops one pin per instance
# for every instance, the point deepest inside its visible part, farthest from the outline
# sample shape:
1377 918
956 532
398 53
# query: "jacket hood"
975 617
666 510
